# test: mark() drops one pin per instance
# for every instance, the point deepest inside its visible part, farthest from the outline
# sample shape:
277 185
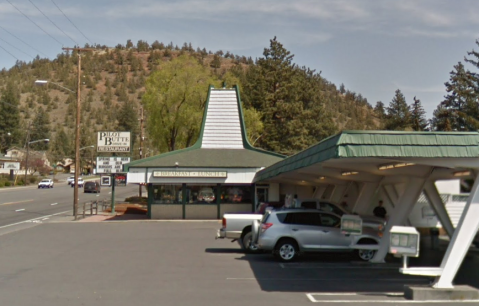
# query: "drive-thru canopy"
375 159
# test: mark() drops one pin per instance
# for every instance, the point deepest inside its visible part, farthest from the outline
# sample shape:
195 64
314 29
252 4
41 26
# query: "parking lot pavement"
178 263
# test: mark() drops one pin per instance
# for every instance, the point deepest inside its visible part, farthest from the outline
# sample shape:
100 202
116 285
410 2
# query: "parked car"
45 183
70 180
92 187
287 233
80 182
238 228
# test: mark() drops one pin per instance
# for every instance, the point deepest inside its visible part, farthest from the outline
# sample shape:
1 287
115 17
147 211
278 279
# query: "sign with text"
190 174
105 180
11 165
113 142
111 164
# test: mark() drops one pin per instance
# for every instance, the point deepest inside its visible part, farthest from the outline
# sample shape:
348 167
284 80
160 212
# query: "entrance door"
261 196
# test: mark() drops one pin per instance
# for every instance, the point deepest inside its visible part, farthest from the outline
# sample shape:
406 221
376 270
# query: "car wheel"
247 245
286 250
365 255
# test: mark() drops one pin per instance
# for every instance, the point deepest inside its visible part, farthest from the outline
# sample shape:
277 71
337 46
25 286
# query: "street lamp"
46 140
77 134
91 154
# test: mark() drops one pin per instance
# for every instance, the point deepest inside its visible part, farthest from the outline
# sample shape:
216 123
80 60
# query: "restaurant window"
233 194
201 194
167 194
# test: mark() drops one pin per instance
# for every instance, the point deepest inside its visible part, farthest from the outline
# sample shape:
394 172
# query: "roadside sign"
113 142
11 165
105 180
120 179
111 164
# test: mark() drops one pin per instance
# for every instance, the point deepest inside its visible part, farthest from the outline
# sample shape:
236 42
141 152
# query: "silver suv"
289 232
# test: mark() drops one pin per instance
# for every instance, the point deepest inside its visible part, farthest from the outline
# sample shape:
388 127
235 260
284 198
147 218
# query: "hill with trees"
287 108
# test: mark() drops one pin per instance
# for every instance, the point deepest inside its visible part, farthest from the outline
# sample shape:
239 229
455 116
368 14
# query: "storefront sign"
120 179
111 164
11 165
113 142
190 174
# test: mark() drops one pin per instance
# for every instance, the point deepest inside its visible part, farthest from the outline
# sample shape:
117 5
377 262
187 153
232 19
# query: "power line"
52 22
34 22
71 21
16 48
9 53
40 52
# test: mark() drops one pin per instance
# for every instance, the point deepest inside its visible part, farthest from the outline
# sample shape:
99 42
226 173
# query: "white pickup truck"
237 227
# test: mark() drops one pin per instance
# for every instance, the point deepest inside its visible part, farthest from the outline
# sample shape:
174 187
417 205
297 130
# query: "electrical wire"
16 48
34 22
52 22
71 21
40 52
9 53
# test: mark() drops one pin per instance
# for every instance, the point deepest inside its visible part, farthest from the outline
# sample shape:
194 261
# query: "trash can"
434 233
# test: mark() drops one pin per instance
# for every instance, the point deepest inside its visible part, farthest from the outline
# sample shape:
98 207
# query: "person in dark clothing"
380 211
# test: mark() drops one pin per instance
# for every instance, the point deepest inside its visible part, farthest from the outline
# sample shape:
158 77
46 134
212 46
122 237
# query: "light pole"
46 140
77 134
92 153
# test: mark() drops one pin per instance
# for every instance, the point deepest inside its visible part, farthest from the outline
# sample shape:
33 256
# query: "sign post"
112 142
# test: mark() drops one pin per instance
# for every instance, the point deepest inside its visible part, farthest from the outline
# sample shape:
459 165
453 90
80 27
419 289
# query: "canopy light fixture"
462 173
349 173
321 178
398 165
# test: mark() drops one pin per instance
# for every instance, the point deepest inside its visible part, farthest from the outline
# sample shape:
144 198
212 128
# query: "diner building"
213 176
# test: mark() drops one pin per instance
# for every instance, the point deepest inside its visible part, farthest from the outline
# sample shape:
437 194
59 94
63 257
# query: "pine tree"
418 119
40 129
10 133
398 113
128 120
461 100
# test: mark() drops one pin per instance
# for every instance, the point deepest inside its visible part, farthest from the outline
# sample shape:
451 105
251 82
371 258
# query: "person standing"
380 211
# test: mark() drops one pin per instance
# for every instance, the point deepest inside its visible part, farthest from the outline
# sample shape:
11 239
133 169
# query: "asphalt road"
180 263
19 204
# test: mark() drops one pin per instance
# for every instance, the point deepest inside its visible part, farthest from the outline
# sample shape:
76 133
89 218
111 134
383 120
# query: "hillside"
114 77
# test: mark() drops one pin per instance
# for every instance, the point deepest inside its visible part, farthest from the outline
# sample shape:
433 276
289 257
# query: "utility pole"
77 130
141 144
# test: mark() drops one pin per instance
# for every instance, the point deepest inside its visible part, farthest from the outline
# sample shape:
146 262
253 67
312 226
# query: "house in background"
20 155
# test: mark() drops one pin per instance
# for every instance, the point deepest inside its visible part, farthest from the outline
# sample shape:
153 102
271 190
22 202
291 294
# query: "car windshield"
45 181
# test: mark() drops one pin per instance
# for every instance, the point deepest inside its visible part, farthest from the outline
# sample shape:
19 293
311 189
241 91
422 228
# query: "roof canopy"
378 155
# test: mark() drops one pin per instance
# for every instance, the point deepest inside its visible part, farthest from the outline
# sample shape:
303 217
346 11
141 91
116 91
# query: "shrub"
2 184
8 184
32 180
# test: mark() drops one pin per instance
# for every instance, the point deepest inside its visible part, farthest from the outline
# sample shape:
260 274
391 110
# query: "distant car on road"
80 183
92 187
45 183
70 180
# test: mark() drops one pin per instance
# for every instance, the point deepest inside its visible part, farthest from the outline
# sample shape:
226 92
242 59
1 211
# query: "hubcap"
366 254
286 251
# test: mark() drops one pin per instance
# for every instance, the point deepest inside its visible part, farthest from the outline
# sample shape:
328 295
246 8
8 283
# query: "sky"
373 47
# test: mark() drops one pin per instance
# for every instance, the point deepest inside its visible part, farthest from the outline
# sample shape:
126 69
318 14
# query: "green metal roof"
387 144
211 158
195 156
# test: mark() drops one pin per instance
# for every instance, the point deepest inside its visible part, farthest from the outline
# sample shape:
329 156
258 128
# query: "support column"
392 194
319 191
434 199
461 239
363 201
400 213
338 193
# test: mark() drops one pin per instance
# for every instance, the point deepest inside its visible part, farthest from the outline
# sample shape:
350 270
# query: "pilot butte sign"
113 141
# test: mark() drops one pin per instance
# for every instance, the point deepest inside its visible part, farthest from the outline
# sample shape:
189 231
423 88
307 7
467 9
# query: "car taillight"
265 226
224 222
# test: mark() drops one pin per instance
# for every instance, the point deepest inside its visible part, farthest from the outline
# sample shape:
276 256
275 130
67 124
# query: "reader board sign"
11 165
113 141
111 164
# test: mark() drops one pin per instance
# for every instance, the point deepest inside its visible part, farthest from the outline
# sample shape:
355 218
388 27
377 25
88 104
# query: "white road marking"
395 294
54 204
33 219
45 219
21 209
328 279
10 203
